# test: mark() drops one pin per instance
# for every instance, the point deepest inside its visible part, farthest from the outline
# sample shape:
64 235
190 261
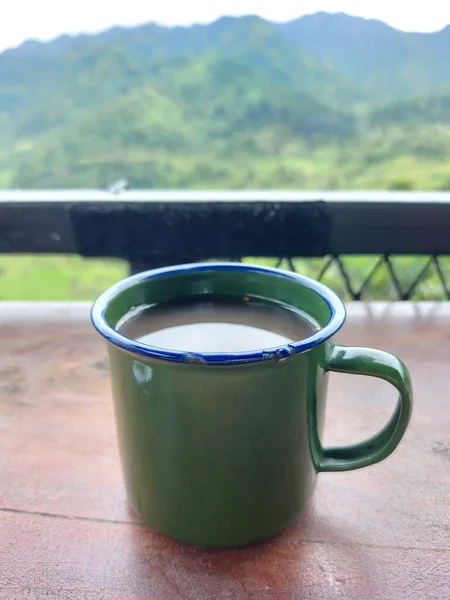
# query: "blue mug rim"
334 303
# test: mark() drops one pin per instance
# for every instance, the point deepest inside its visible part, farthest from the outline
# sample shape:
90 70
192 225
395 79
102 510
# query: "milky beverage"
216 324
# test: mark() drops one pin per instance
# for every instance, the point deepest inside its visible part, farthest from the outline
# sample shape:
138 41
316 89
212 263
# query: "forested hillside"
325 101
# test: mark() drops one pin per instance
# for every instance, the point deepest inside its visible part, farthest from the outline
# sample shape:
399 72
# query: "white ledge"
23 312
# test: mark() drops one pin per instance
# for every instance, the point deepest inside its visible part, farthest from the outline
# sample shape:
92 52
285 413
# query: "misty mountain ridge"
239 102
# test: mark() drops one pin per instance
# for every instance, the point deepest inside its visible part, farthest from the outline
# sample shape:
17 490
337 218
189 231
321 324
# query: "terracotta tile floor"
66 531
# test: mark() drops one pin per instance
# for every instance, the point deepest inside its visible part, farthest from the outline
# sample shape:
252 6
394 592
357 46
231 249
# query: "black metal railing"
383 245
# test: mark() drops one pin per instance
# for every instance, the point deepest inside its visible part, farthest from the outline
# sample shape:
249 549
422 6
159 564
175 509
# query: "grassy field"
57 277
48 277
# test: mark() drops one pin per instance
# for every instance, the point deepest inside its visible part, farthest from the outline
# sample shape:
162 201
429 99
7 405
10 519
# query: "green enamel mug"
224 449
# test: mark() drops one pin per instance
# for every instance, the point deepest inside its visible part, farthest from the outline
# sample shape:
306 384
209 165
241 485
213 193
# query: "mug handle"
374 363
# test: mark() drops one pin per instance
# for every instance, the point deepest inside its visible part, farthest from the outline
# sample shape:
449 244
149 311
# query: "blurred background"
224 95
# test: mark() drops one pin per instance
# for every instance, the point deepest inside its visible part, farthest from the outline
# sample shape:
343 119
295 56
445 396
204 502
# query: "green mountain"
324 101
382 60
432 110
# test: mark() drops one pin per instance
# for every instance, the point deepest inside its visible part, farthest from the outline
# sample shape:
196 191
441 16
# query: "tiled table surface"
66 531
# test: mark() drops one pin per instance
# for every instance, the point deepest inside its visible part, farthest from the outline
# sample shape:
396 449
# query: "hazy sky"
45 19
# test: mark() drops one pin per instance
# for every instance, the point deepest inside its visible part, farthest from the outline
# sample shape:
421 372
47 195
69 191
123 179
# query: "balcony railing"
390 245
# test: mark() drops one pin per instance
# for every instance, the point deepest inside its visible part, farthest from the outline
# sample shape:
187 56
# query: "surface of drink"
216 324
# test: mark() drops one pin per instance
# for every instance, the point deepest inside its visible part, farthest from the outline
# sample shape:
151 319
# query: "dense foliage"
326 101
